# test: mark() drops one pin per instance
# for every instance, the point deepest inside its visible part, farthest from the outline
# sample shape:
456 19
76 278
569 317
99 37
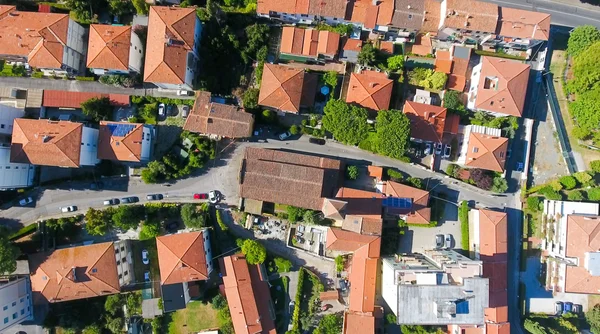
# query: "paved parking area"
546 153
418 239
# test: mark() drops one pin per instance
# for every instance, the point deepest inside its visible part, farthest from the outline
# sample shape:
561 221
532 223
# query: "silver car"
448 241
439 241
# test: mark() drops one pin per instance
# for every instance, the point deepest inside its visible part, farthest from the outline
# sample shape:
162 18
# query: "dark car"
577 309
112 201
558 308
318 141
130 199
154 197
172 226
439 241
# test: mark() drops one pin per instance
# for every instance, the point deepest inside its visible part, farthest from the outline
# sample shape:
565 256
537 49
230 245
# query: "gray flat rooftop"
443 304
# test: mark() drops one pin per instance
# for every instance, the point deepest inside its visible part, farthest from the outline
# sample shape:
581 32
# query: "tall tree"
98 222
586 74
329 324
254 251
581 38
593 318
366 56
8 254
393 133
97 108
347 123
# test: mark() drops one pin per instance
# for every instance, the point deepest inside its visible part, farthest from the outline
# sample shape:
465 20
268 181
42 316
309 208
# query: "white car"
145 258
213 197
183 93
71 208
161 110
26 201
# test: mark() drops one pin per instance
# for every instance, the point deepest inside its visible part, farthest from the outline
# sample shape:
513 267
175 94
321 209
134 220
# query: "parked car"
343 285
112 201
26 201
169 110
183 93
292 304
154 197
147 276
318 141
71 208
172 226
161 110
213 196
284 135
427 150
568 307
145 258
438 148
326 307
558 308
577 309
447 150
439 241
185 111
448 241
130 199
200 196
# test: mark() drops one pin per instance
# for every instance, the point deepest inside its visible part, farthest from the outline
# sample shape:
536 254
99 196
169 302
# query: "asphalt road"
566 13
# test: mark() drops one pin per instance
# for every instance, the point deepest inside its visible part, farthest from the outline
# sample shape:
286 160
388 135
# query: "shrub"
283 265
85 78
394 175
595 166
593 194
254 251
298 300
339 263
463 217
575 195
294 129
352 172
294 214
553 195
500 185
222 225
415 182
583 178
533 203
556 185
453 170
568 182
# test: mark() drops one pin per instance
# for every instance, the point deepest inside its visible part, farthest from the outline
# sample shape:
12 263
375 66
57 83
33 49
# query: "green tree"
115 325
250 98
8 254
347 123
128 216
97 108
352 172
113 304
268 116
218 302
581 133
595 166
393 133
329 324
533 203
283 265
330 78
254 251
556 185
395 63
294 130
134 303
453 170
593 194
534 327
141 7
92 329
575 195
435 81
452 100
339 263
311 217
119 7
583 177
586 74
366 56
257 36
415 182
344 29
294 213
192 217
98 222
593 318
581 38
568 182
500 185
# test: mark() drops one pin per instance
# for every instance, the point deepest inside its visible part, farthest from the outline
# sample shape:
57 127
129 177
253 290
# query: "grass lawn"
139 268
195 317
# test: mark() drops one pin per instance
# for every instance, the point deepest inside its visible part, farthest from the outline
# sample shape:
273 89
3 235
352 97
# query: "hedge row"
298 299
463 217
23 232
224 227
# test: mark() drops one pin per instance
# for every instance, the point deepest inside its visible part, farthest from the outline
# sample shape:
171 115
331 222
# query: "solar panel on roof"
120 130
397 202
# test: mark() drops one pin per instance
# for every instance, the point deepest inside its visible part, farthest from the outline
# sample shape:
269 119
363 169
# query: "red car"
200 196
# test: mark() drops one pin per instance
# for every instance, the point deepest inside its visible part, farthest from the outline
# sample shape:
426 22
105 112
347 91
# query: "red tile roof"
112 146
422 45
75 273
408 14
419 213
369 89
367 204
351 44
493 240
290 6
386 47
218 119
358 323
583 237
280 177
471 15
456 82
329 8
502 86
363 279
286 89
375 171
524 24
427 122
486 152
503 328
181 257
365 12
41 37
108 47
248 296
309 42
170 38
44 142
346 241
67 99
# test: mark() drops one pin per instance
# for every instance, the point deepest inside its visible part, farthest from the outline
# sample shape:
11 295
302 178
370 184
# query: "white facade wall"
136 53
7 118
14 175
16 303
389 289
147 138
75 51
124 257
89 147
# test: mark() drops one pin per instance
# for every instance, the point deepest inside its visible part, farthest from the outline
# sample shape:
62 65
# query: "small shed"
330 295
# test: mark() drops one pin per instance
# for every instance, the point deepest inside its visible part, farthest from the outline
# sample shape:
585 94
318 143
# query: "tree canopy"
586 109
435 80
8 254
329 324
586 73
367 55
192 216
393 133
254 251
395 63
581 38
347 123
97 108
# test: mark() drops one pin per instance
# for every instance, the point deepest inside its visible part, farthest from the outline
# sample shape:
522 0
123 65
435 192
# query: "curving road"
571 13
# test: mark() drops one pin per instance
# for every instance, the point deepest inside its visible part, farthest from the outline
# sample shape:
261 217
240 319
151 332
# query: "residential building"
114 49
522 29
483 148
279 177
126 142
216 119
366 206
415 203
457 79
303 11
489 236
432 16
286 89
12 175
182 258
16 301
571 244
350 49
46 41
429 123
53 143
467 21
247 288
172 47
499 86
72 100
299 44
438 287
82 272
408 15
370 89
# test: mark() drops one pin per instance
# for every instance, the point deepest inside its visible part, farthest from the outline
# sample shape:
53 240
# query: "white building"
16 303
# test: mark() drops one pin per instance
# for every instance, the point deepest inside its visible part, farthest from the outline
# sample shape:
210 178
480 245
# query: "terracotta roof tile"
351 44
365 12
583 236
493 232
44 142
422 45
385 12
329 8
503 328
359 224
41 37
248 296
427 122
113 146
431 21
68 99
346 241
358 323
218 119
408 14
333 209
386 47
375 171
309 42
108 47
329 295
369 89
444 66
75 272
456 82
166 62
329 43
502 86
278 177
497 314
181 257
419 213
520 23
286 88
471 15
367 204
363 279
290 6
486 152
